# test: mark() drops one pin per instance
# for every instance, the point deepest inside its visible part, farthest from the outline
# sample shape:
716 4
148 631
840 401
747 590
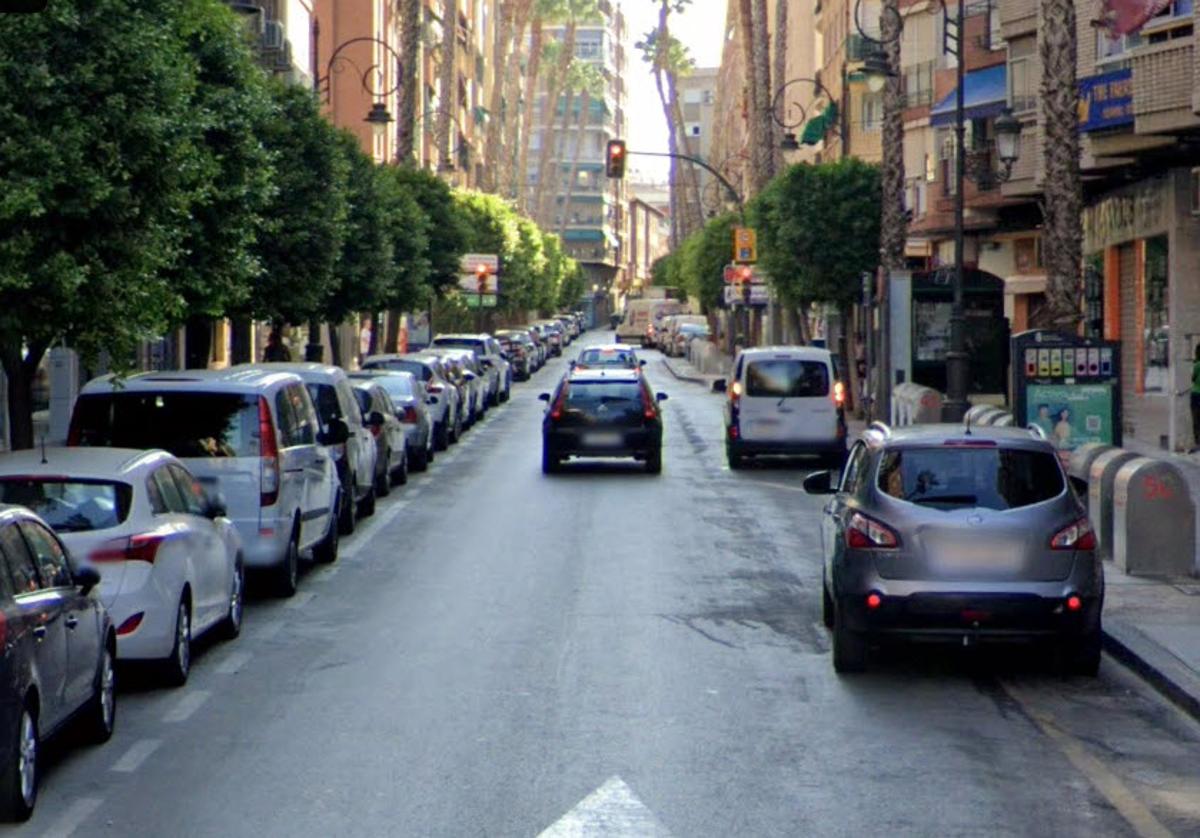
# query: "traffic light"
614 159
481 274
745 277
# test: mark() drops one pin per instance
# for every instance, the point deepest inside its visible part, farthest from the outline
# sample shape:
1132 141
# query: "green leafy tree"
703 259
660 270
98 166
527 283
446 224
409 232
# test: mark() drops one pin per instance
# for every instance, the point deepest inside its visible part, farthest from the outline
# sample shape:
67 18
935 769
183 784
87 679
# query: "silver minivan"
784 400
249 435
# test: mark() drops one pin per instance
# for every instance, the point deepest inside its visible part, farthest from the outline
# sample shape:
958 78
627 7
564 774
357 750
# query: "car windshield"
415 367
787 378
324 397
621 358
990 477
186 424
604 398
70 505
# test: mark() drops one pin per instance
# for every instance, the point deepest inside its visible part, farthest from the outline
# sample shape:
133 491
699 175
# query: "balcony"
1163 85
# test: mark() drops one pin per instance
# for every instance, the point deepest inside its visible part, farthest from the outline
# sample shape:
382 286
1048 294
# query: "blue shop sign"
1106 100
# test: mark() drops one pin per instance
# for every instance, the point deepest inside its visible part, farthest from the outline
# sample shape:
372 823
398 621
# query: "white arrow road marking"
611 810
136 755
73 817
186 706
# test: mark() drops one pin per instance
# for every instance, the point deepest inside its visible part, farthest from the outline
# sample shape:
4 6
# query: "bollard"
1082 458
1100 488
972 416
988 416
1154 520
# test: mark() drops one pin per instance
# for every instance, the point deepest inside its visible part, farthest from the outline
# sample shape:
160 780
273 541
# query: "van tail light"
839 394
556 412
735 392
1078 536
269 454
410 416
138 548
863 533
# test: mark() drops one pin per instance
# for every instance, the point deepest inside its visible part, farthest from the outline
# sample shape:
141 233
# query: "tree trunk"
241 340
335 345
198 343
757 170
448 100
20 373
532 73
1062 234
553 90
662 82
392 341
780 73
500 67
693 211
376 323
585 104
507 178
893 230
409 101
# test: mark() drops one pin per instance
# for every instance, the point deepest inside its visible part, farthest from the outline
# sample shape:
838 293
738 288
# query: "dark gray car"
936 533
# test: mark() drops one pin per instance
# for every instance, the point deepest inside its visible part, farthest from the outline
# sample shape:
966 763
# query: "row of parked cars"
675 331
137 536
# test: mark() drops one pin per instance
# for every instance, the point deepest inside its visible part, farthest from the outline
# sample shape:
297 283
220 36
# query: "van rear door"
788 399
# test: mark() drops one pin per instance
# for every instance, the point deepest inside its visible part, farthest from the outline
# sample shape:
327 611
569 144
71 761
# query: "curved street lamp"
789 142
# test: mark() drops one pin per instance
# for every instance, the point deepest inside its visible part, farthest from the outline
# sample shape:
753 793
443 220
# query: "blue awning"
985 94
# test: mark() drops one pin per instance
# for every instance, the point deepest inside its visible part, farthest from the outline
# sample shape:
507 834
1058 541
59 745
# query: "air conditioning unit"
272 36
1195 190
283 58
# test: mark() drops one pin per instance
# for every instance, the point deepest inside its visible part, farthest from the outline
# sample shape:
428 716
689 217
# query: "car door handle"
39 633
72 622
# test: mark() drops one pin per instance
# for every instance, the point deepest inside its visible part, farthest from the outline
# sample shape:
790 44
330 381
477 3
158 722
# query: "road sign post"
745 245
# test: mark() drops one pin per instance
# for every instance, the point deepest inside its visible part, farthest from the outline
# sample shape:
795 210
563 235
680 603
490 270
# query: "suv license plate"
602 439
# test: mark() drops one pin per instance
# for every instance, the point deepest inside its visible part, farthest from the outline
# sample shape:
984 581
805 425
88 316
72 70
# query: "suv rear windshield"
186 424
604 398
70 505
786 378
987 477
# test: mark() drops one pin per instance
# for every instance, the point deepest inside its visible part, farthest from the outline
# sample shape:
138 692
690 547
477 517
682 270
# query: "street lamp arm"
733 193
324 81
821 89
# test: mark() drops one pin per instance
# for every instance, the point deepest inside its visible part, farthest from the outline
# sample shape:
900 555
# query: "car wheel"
550 463
101 714
231 626
400 475
383 480
287 576
826 603
420 460
736 460
849 647
1081 656
326 550
178 664
366 506
443 435
654 461
19 784
347 516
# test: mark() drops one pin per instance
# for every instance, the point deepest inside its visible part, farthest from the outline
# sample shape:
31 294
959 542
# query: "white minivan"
249 434
784 400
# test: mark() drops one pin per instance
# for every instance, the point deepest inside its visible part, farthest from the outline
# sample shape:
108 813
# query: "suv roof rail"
882 427
1037 431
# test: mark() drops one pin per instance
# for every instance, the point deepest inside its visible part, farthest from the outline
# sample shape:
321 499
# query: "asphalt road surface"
605 652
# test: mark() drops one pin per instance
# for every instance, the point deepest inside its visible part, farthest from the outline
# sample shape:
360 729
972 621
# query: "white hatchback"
170 562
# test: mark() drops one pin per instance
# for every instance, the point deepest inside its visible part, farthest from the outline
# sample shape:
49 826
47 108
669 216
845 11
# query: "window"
949 163
986 477
186 424
1114 49
169 497
872 113
930 168
787 379
70 505
692 97
993 39
1156 341
49 554
194 499
608 399
1022 75
918 84
325 398
852 478
22 568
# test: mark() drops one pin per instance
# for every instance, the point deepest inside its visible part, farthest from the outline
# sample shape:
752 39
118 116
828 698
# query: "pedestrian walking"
276 349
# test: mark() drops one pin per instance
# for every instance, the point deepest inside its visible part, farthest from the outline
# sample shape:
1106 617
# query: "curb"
693 379
1177 682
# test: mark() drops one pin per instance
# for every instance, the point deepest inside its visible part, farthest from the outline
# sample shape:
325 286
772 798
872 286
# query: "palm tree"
504 159
543 11
556 136
500 57
590 84
760 104
1062 191
893 223
780 72
409 99
448 100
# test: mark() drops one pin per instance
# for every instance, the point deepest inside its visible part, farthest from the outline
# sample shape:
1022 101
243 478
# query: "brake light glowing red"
874 600
648 408
269 454
1074 603
556 412
138 548
863 533
1079 535
130 624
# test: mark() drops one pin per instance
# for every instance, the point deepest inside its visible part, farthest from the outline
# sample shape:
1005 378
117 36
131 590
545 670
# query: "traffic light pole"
733 193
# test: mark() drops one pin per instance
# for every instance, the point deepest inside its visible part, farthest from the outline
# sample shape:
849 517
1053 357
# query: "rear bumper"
787 448
265 541
154 638
571 442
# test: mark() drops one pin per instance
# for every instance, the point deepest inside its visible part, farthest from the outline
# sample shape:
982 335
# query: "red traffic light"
614 159
481 271
745 274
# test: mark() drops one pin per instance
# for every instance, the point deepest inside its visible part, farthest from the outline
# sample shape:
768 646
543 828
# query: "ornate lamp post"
789 142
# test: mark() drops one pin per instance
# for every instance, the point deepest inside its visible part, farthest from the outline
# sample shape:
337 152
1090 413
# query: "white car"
170 562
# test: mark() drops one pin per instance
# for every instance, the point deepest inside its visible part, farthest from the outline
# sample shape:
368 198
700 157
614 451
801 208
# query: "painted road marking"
611 810
133 758
299 600
234 662
363 536
73 817
187 705
1097 773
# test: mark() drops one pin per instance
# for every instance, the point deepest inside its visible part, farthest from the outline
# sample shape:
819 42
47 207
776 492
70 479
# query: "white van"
250 434
784 400
640 315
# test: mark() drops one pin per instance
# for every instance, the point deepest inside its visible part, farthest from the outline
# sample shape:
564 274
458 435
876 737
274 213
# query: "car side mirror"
545 397
662 397
819 483
642 362
337 433
718 386
87 578
216 506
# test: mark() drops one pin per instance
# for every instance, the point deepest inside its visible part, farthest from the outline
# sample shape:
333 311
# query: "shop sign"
1137 212
1106 100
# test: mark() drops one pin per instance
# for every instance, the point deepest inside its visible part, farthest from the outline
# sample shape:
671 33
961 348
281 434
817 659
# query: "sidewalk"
1151 626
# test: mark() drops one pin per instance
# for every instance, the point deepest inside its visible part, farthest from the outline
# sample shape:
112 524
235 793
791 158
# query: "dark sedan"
602 413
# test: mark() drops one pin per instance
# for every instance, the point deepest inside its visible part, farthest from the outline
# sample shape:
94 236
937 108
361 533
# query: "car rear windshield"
70 505
462 343
186 424
415 367
397 386
787 378
607 358
604 398
957 477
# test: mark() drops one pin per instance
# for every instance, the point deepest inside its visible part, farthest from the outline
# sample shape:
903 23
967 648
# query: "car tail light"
434 388
839 394
138 548
1078 536
874 600
130 624
410 415
648 408
269 454
863 533
74 432
735 392
1074 603
556 412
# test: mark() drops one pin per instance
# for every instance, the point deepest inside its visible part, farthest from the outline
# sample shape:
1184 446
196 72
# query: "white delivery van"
784 400
643 318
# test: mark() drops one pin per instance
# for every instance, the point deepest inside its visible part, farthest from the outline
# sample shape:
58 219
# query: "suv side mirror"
718 386
337 433
819 483
216 507
87 578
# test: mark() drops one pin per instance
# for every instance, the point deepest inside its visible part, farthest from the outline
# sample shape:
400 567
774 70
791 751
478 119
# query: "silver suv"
936 532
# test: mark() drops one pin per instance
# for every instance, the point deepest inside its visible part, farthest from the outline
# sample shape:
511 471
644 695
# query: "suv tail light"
556 412
268 454
1078 536
138 548
863 533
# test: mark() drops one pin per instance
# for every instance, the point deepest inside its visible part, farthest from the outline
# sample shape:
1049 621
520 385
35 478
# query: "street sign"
759 296
745 245
470 262
480 301
735 273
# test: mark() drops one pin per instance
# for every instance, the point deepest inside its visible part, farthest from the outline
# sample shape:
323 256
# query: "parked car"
411 405
518 347
602 413
474 382
611 355
250 435
570 324
939 533
784 400
553 331
446 409
490 362
170 561
672 324
355 457
391 444
541 340
683 335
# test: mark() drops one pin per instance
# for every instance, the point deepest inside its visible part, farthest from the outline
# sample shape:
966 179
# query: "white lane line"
299 600
133 758
363 536
234 662
73 817
187 705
